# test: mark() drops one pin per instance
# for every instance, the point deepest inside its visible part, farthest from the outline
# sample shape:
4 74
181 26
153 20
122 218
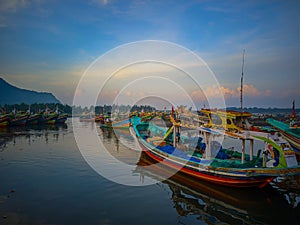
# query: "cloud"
213 91
12 5
101 2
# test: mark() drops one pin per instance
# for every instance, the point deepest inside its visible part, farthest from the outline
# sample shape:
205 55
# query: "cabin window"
229 121
216 119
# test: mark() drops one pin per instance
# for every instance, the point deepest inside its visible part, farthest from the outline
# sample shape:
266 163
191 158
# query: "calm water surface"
45 180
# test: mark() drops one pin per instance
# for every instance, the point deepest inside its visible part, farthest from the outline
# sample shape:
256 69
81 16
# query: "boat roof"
226 113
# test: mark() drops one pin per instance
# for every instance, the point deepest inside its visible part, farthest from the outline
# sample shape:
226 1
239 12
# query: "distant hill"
10 94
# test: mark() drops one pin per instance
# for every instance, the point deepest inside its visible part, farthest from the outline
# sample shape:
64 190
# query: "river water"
45 179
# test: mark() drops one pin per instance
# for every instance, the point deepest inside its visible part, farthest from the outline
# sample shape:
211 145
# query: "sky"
49 46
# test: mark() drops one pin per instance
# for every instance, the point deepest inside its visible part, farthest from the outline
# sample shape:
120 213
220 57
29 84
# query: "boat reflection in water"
217 205
52 165
9 134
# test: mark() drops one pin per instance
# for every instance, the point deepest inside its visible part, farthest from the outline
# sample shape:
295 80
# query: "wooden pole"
243 151
251 148
174 136
242 77
208 146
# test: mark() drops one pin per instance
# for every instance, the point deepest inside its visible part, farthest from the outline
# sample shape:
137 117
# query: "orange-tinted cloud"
214 91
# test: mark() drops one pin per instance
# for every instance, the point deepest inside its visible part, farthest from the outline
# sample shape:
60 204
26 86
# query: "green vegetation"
76 110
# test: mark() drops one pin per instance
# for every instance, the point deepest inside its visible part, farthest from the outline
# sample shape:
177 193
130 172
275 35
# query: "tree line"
76 110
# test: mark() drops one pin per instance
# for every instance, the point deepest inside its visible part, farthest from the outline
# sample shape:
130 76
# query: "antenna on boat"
242 77
293 123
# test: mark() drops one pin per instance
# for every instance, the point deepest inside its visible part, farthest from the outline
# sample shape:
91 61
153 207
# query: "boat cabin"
228 119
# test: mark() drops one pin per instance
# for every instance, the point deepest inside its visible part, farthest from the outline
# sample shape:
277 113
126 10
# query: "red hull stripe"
211 178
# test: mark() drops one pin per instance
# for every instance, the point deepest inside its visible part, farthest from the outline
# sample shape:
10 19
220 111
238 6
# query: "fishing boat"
292 135
99 118
193 197
87 118
4 120
107 122
121 124
61 118
34 119
291 132
208 160
18 119
49 118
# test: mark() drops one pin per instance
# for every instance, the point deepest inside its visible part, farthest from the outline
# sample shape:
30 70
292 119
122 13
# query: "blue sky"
47 45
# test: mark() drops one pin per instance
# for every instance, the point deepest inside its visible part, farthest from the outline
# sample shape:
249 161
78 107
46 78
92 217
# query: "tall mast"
241 97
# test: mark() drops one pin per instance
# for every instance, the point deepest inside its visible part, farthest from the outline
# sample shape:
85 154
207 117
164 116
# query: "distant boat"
211 162
18 119
107 122
87 118
99 118
61 118
121 124
292 135
289 131
34 119
49 118
4 120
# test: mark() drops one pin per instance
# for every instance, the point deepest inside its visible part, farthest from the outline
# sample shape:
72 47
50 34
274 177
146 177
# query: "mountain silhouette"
10 94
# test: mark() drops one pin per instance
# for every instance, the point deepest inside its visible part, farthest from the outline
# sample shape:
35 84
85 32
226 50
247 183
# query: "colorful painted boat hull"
207 169
227 179
49 118
123 124
34 119
18 121
61 119
292 135
4 120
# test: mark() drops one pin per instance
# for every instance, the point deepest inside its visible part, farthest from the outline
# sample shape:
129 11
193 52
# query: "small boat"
121 123
18 119
99 118
292 135
107 122
209 161
34 119
49 118
87 118
4 120
291 132
61 118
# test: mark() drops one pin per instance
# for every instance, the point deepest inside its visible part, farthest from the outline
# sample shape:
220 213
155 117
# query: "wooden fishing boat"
195 197
107 122
18 119
99 118
292 135
49 118
212 162
34 119
87 118
4 120
121 124
61 118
